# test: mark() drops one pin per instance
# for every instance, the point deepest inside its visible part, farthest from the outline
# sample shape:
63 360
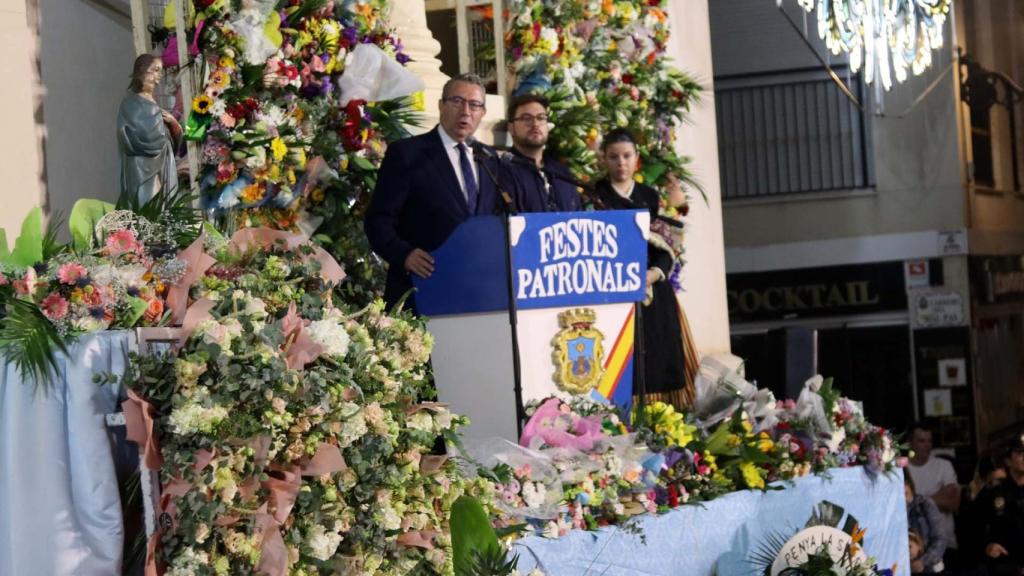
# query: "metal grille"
481 46
790 133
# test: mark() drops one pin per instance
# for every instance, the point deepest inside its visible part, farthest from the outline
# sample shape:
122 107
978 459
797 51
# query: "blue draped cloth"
60 510
722 536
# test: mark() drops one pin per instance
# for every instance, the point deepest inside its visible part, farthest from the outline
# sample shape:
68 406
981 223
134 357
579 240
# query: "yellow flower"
226 62
291 176
711 460
666 421
220 80
764 443
418 101
747 426
318 195
274 174
278 148
639 178
751 476
343 163
201 104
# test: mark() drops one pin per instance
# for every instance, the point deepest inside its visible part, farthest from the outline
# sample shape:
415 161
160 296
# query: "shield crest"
578 352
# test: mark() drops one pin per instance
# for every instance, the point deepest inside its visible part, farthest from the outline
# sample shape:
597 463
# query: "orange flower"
251 194
856 537
154 311
858 533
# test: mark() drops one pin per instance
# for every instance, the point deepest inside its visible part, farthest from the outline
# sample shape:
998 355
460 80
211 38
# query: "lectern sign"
572 259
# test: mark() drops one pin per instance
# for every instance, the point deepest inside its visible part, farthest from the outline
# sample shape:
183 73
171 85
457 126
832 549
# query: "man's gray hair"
465 79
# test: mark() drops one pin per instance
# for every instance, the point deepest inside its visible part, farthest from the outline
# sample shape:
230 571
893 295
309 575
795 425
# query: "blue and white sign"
562 259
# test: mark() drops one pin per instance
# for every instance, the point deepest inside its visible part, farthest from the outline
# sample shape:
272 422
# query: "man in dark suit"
542 183
427 185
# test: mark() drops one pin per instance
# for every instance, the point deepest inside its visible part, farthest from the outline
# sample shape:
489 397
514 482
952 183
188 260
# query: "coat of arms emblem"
578 351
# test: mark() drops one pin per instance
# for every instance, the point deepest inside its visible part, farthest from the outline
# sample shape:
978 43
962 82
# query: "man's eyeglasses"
459 102
530 119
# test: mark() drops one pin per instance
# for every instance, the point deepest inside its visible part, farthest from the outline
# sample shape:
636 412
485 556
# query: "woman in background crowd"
924 520
664 375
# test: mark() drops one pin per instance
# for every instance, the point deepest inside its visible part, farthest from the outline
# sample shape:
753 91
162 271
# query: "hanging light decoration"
884 36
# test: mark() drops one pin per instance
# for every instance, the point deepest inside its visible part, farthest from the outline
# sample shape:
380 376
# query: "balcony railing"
791 133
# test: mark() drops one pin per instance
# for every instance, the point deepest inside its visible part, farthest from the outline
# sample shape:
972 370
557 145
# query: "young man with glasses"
427 185
543 184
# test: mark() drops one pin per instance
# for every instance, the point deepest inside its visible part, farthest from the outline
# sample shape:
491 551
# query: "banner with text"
564 259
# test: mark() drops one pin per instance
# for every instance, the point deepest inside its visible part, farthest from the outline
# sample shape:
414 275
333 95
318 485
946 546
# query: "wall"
915 144
20 148
87 55
991 34
753 36
704 275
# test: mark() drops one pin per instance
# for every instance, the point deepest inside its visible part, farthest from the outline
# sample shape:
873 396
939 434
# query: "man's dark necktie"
467 177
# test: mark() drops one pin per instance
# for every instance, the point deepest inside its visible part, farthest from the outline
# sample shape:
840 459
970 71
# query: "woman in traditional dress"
664 371
147 135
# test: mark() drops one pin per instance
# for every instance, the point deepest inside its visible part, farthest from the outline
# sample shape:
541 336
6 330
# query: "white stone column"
409 18
20 149
704 275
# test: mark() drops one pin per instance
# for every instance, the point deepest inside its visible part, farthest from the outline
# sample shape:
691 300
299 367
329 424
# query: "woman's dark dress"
663 358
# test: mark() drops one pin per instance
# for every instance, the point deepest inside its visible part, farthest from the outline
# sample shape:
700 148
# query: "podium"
576 277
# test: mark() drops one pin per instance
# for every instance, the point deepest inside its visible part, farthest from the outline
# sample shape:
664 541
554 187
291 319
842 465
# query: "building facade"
875 235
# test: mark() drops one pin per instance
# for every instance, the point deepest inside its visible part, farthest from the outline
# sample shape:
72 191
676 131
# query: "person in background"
925 521
662 334
935 478
546 184
426 186
1002 510
970 529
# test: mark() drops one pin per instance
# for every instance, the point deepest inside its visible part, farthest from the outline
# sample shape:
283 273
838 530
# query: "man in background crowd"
935 478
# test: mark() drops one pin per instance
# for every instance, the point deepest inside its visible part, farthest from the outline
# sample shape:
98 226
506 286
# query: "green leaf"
30 341
362 163
472 534
84 216
28 248
138 308
5 253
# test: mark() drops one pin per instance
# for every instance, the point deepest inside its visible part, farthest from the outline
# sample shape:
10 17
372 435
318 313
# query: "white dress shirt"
453 157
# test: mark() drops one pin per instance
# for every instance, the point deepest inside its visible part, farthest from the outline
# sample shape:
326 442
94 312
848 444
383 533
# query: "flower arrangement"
294 435
610 472
290 124
603 65
836 548
115 274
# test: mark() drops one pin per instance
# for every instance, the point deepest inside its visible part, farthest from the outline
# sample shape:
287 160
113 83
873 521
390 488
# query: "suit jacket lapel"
488 197
437 158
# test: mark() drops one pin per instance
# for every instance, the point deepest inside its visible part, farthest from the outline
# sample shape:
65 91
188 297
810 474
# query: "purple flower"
350 35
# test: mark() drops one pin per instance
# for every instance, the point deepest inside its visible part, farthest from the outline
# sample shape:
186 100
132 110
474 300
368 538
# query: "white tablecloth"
60 511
